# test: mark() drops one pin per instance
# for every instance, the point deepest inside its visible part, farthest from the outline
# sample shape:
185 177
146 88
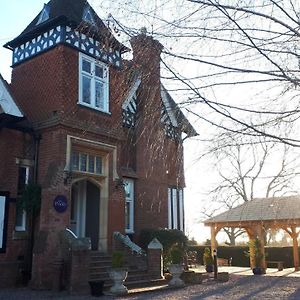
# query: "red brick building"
85 125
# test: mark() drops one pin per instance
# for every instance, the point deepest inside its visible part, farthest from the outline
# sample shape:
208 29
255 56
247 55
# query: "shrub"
207 258
117 259
176 255
30 200
167 237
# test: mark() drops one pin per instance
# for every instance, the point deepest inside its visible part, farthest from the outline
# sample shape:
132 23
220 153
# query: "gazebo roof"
261 209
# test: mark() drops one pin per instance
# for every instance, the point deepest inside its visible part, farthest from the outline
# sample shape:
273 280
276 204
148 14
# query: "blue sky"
15 15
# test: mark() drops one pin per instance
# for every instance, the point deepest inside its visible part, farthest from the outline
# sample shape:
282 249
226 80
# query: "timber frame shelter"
258 215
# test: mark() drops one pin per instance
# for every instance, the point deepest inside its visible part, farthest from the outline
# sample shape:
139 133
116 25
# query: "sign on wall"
3 219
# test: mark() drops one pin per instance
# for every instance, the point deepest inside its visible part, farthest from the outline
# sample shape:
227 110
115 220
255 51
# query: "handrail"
129 243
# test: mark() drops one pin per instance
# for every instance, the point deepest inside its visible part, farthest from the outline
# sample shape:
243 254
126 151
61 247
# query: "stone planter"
118 277
176 270
223 276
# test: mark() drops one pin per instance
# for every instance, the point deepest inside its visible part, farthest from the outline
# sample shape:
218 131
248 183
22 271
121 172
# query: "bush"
207 258
117 259
167 237
239 258
30 200
176 255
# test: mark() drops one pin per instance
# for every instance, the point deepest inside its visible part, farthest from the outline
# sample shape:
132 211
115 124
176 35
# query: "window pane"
86 89
99 71
91 164
23 180
127 215
83 160
86 66
19 217
99 101
98 165
75 161
128 189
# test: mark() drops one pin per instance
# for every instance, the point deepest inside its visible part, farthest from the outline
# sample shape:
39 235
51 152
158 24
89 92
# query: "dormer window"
44 15
93 83
88 17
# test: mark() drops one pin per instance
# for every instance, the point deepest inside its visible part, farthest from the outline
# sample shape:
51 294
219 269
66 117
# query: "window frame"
93 80
130 200
22 227
87 163
175 208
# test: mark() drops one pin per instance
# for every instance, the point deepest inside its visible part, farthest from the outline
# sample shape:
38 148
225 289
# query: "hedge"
239 258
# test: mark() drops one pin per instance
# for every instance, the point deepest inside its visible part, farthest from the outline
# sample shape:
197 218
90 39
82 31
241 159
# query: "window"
23 180
93 84
175 209
88 17
129 205
87 163
44 15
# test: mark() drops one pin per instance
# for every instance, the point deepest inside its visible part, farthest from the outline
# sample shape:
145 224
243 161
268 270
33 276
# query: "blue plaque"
60 203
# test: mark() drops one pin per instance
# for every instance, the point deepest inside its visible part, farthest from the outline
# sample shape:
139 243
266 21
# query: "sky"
23 12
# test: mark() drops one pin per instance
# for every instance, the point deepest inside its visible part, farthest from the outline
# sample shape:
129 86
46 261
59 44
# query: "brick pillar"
155 261
80 264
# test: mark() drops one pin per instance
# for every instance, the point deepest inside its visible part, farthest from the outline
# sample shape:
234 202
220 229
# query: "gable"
7 103
173 118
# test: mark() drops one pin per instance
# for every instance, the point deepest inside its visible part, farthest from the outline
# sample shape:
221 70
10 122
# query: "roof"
66 12
8 105
261 209
177 117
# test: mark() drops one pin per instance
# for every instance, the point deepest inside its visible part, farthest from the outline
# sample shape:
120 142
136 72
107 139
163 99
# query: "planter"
96 288
258 271
209 268
223 276
118 277
176 270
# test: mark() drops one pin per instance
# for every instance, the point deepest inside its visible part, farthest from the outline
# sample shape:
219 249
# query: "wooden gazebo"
258 215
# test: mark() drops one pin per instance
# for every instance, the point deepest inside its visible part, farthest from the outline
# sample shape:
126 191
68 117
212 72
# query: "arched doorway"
85 211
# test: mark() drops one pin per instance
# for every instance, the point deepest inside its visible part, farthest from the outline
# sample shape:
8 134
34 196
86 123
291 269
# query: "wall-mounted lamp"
67 176
120 183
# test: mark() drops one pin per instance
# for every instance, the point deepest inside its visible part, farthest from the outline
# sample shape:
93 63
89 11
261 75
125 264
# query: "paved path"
239 287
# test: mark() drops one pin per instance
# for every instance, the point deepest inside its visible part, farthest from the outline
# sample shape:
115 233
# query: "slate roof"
66 12
261 209
177 117
8 105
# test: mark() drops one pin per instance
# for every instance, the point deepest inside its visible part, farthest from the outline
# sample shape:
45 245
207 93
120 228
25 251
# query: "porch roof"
261 209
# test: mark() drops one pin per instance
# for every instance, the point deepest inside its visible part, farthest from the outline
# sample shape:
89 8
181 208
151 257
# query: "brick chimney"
146 55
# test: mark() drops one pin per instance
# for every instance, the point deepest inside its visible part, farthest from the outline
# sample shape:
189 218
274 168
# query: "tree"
234 63
251 171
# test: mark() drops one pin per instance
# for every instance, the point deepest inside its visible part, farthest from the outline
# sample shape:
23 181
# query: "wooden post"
251 248
213 233
295 248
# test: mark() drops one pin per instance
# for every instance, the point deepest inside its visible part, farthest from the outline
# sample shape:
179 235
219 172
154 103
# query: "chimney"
146 54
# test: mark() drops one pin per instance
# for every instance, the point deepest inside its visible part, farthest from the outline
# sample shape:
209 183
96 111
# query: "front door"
85 211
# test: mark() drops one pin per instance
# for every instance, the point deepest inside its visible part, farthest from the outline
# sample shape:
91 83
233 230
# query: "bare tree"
251 171
234 64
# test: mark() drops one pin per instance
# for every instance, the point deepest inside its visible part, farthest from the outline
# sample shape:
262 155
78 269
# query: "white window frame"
105 81
175 209
2 219
130 200
22 227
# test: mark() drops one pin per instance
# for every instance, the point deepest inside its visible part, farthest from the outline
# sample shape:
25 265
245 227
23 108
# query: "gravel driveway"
238 287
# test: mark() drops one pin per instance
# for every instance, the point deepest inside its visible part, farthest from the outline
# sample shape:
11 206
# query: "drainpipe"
36 138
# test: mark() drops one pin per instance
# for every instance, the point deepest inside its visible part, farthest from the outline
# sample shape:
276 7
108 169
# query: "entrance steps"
100 263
